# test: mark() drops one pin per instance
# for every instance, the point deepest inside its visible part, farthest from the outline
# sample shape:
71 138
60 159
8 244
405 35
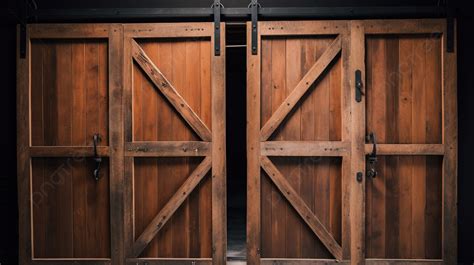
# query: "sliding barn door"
298 142
68 99
410 113
174 144
351 143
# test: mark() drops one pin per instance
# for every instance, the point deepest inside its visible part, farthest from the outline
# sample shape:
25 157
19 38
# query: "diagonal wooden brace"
302 208
297 93
171 94
171 206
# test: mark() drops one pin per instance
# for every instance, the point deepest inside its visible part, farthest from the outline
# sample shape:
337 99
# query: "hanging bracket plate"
254 14
217 27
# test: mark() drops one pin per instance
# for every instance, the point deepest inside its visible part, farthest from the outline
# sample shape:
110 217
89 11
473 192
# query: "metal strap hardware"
372 157
254 5
98 160
358 86
217 26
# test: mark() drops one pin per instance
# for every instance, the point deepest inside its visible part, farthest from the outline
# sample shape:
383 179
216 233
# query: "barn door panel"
174 124
65 159
298 142
410 112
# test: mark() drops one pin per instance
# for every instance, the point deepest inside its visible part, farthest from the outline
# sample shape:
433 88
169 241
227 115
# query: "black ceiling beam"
265 13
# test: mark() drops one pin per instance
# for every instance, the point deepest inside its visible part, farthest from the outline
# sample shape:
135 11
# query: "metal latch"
372 157
98 160
358 86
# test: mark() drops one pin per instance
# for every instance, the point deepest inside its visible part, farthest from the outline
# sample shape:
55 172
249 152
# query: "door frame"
213 143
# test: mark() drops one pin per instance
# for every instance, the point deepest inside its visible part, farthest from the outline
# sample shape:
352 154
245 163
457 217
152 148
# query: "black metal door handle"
98 160
372 157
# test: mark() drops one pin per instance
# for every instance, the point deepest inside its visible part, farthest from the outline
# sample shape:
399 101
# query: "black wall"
8 194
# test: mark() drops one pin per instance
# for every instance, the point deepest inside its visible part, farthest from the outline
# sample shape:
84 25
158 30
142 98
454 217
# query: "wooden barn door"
351 143
298 142
174 144
410 110
69 101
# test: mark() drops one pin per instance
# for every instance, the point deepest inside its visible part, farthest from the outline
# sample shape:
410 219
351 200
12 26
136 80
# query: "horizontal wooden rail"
58 261
272 261
168 149
304 148
67 151
406 149
170 261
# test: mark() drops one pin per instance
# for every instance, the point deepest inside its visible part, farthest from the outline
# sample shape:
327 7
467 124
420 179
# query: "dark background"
236 107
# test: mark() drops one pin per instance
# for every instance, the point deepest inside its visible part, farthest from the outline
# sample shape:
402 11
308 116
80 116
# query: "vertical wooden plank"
149 179
37 100
116 141
193 98
92 90
279 205
99 212
450 126
49 91
433 106
219 204
253 151
357 189
38 207
391 162
165 167
346 173
205 194
179 173
102 86
335 134
61 209
405 162
37 138
308 242
419 136
78 139
321 101
266 185
64 92
127 131
292 132
377 108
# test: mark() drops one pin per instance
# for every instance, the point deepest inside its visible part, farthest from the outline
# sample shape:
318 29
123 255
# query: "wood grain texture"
157 131
116 136
219 186
171 206
357 189
167 149
253 154
23 157
311 127
300 206
300 89
170 92
70 209
69 109
450 140
402 202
